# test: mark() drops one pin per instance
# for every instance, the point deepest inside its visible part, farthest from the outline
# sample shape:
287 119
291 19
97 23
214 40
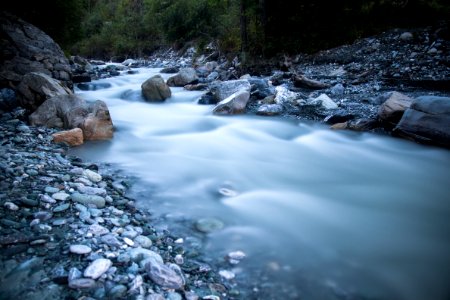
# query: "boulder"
391 111
185 76
285 96
260 88
427 120
24 48
155 89
223 90
73 137
71 111
234 104
35 88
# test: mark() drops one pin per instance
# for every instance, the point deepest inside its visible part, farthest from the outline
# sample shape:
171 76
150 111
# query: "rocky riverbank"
68 230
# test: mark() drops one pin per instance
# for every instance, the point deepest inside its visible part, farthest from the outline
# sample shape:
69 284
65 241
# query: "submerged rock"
208 225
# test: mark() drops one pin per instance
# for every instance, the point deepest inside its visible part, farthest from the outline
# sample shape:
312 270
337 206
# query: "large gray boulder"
184 77
223 90
71 111
35 88
427 121
24 48
155 89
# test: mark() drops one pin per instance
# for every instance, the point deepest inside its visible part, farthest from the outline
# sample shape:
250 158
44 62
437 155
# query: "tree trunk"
244 35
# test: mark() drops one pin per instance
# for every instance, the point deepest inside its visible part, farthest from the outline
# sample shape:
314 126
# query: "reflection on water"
362 213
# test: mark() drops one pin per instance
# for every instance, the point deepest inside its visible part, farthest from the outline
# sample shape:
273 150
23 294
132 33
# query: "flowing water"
332 214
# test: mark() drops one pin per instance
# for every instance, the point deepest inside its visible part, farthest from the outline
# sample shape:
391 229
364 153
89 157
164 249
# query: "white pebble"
11 206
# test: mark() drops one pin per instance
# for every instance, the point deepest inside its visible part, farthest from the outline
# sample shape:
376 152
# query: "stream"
320 214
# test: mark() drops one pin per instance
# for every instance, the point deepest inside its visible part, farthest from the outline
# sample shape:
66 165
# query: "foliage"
135 28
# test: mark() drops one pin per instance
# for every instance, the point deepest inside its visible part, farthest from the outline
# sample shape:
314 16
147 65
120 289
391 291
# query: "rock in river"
155 89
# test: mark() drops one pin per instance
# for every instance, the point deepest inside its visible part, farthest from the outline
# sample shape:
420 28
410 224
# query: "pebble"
92 190
128 241
97 268
82 283
11 206
138 254
97 229
51 190
98 201
228 275
60 196
166 276
92 176
118 291
61 208
80 249
143 241
111 240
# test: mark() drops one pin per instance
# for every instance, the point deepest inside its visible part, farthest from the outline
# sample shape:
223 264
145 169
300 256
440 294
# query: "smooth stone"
143 241
111 240
97 229
98 201
92 176
138 254
208 225
166 276
97 268
61 207
80 249
51 190
92 190
60 196
11 206
118 291
82 283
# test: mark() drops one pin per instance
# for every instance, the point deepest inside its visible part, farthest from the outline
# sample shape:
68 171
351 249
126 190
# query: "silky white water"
358 213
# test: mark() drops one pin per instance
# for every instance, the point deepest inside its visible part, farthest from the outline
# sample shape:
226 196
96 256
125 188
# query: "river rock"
223 90
185 76
269 110
138 254
71 111
169 70
98 201
166 276
98 124
155 89
284 96
234 104
82 283
80 249
427 120
73 137
391 111
35 88
97 268
24 48
92 176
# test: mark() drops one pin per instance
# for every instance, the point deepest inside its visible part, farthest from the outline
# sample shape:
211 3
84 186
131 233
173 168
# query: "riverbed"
327 214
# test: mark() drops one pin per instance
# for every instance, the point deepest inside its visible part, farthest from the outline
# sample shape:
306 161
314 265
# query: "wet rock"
97 125
92 190
35 88
98 201
111 240
155 89
166 276
427 120
80 249
11 206
185 76
223 90
235 104
73 137
98 230
117 292
208 225
207 99
269 110
61 208
92 176
391 111
143 241
138 254
97 268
